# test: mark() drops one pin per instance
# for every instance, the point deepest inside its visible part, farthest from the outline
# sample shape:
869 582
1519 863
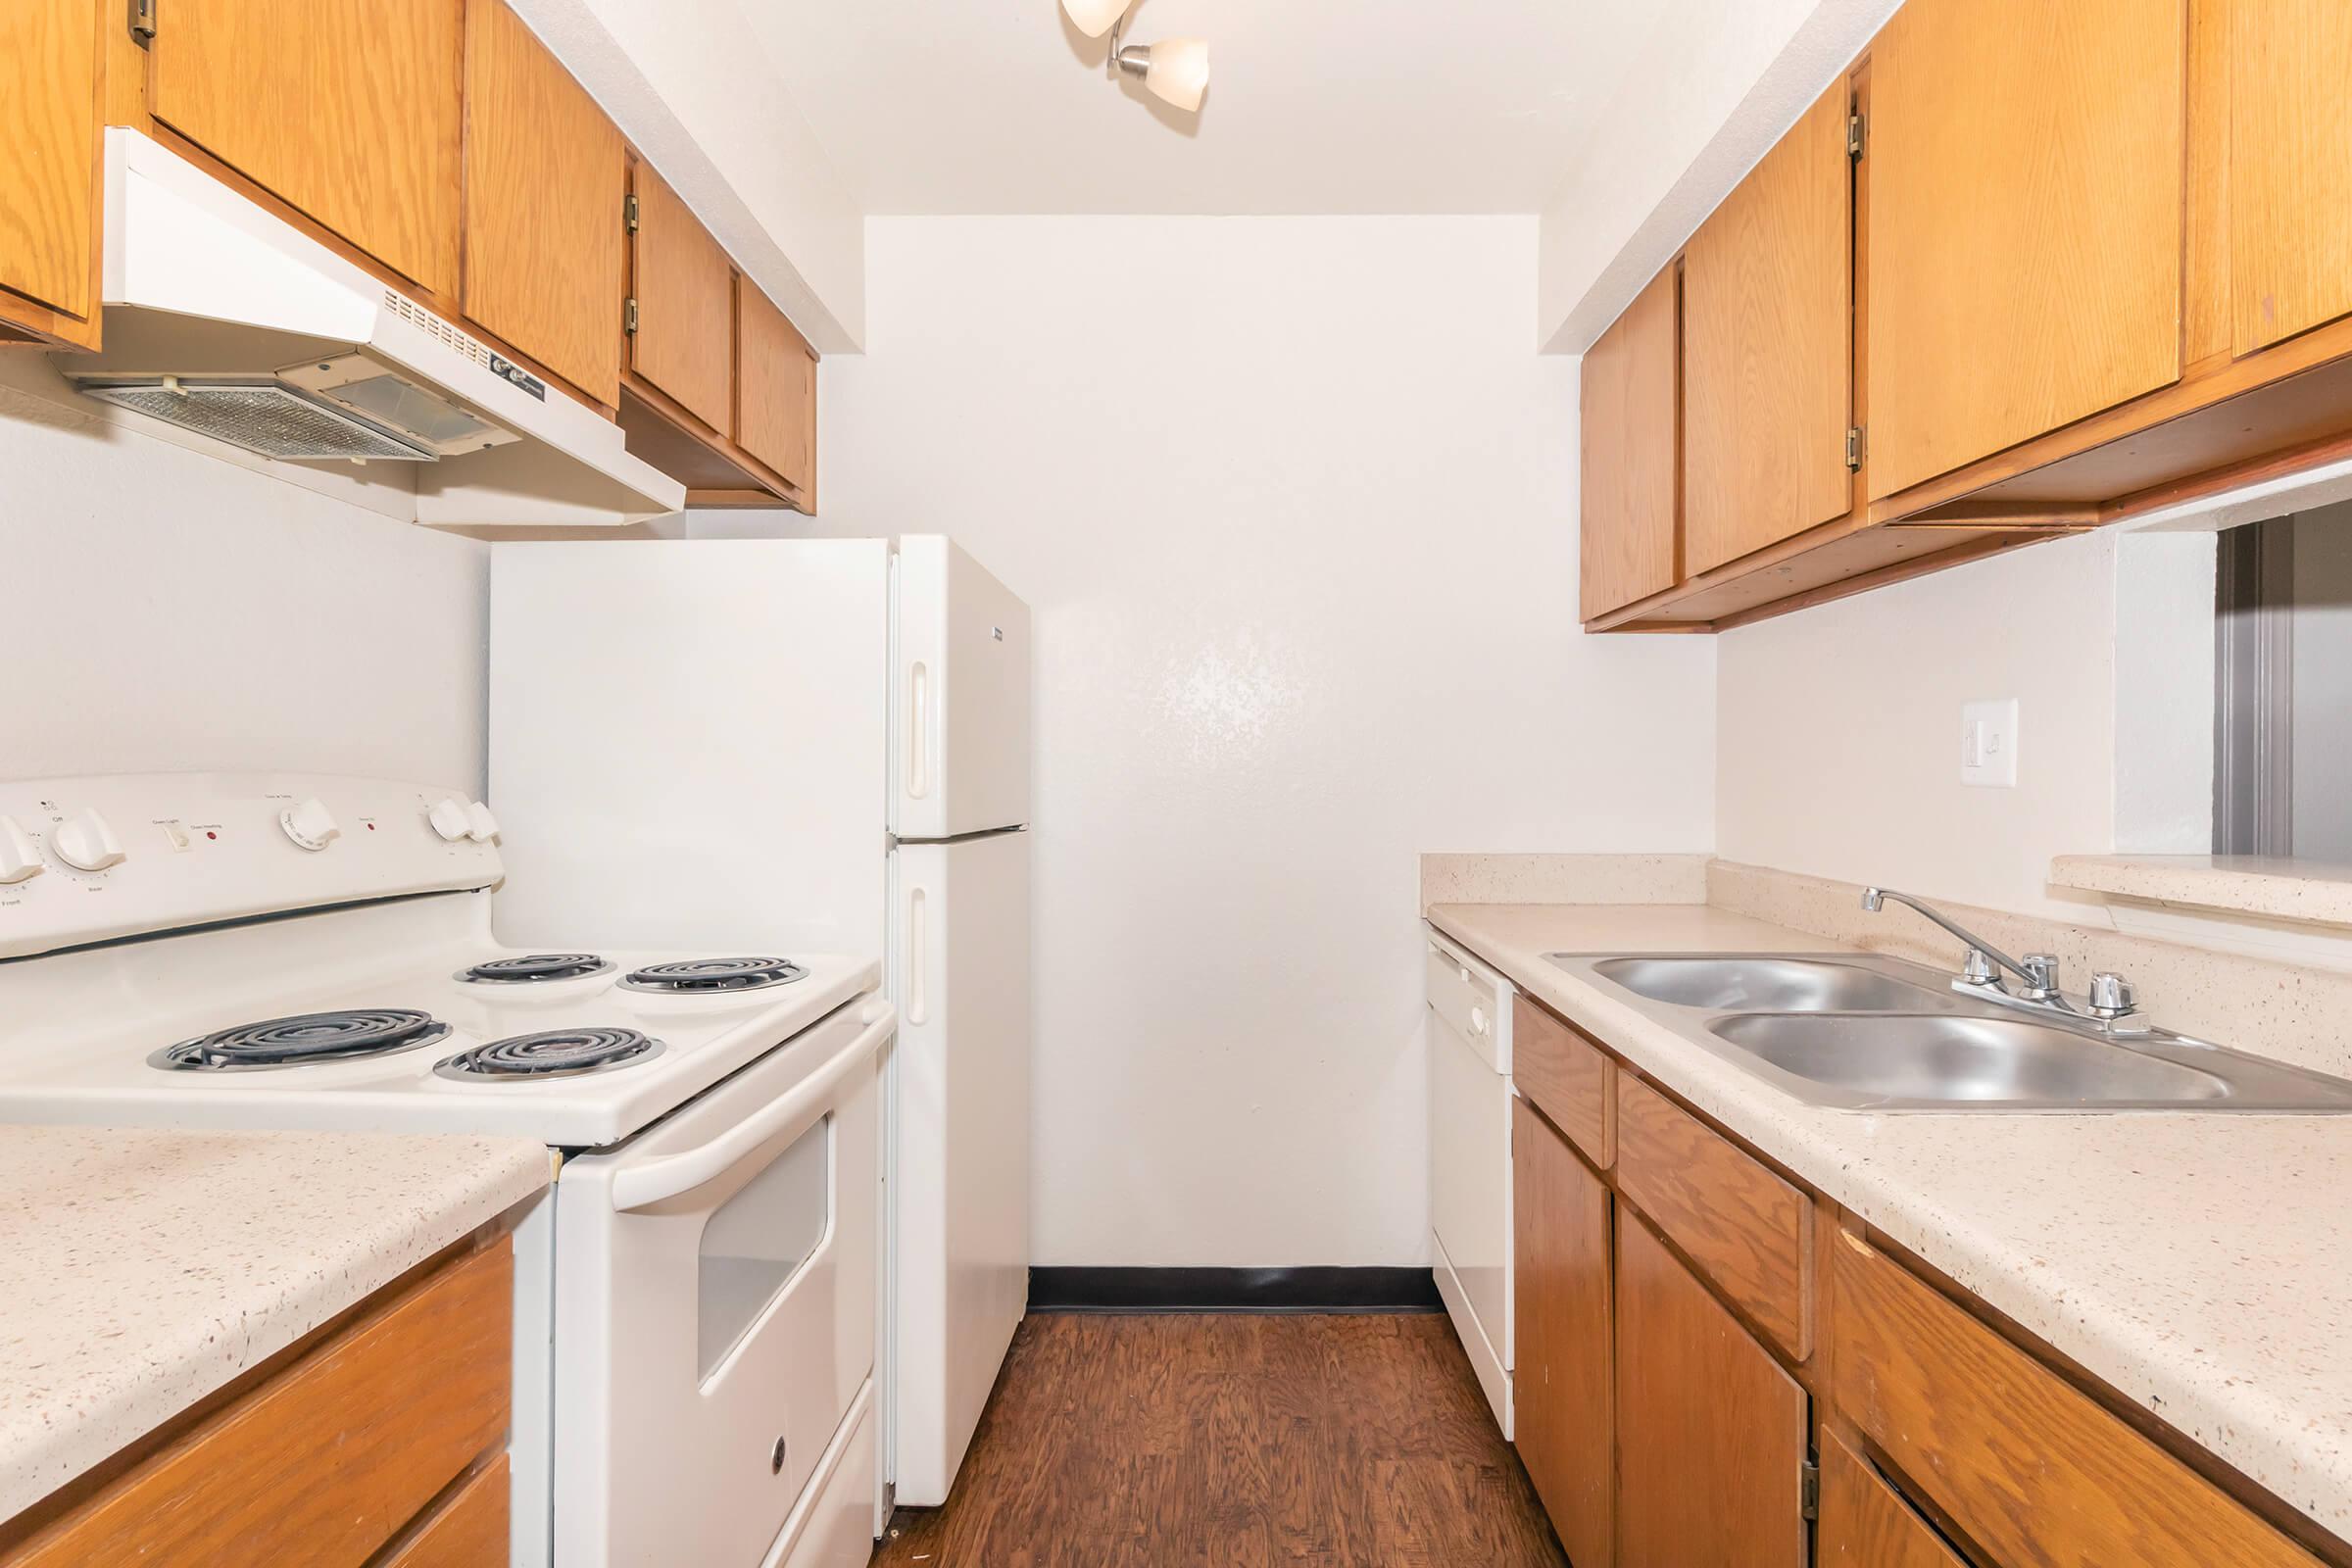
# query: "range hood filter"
268 417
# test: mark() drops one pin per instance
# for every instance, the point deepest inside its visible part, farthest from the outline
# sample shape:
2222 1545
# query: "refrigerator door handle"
918 730
919 963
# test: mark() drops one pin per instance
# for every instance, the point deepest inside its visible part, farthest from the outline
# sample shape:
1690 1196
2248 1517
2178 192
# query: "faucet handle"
2041 975
2112 996
1978 969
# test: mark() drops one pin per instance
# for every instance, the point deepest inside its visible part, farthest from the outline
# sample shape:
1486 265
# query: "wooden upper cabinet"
1560 1383
49 115
1768 348
2289 168
2025 179
776 399
1711 1433
684 287
346 110
1629 409
545 174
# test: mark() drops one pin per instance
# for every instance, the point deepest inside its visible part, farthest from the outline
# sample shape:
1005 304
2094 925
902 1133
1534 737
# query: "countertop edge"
2301 893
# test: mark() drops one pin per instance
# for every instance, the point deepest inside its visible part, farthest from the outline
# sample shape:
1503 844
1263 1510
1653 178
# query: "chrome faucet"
2037 971
2111 1005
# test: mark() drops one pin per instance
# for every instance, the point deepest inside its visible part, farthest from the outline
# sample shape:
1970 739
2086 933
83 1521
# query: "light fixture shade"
1179 73
1094 17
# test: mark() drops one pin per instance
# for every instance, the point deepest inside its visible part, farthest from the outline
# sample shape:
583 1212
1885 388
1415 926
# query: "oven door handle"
657 1181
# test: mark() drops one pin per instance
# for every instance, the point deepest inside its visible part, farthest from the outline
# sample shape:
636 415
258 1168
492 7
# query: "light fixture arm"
1134 59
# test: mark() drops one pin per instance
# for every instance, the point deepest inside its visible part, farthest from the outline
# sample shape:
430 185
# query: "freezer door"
959 698
688 740
960 968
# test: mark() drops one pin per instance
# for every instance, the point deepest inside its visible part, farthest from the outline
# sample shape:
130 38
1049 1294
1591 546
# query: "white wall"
1837 749
168 611
1295 508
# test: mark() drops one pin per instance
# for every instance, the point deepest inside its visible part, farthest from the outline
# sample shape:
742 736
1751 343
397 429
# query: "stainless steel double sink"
1865 1032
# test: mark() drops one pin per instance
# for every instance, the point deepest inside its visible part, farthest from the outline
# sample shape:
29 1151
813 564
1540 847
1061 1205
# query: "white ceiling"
1315 105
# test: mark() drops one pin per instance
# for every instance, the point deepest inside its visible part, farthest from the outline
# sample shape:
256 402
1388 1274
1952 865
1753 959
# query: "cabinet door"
545 173
1865 1523
685 291
2290 167
1560 1379
1627 415
347 110
1768 348
49 155
776 422
1710 1431
2025 192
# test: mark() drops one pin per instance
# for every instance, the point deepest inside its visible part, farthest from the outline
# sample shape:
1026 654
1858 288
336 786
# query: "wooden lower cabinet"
469 1530
1865 1522
1711 1434
1560 1384
1663 1429
2027 1467
389 1433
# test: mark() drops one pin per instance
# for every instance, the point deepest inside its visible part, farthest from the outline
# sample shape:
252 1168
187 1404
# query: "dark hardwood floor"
1232 1441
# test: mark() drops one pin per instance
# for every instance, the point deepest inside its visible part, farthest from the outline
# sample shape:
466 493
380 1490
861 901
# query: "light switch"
1988 744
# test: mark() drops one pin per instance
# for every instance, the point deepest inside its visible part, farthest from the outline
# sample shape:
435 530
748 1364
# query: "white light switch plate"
1988 744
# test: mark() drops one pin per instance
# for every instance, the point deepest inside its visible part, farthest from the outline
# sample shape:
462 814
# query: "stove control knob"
448 818
85 842
480 825
310 824
19 859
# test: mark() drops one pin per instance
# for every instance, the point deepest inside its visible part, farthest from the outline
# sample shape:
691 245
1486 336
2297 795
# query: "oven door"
714 1306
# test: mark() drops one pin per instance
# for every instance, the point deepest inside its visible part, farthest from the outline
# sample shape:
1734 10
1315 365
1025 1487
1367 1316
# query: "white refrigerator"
824 743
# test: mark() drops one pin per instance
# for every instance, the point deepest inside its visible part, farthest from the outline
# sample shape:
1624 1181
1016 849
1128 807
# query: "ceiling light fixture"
1175 71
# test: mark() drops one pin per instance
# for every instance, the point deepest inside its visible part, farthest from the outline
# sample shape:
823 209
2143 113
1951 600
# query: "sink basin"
1959 1062
1863 1031
1767 985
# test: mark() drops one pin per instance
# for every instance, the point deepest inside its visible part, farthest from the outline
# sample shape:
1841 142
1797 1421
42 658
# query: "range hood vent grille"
268 417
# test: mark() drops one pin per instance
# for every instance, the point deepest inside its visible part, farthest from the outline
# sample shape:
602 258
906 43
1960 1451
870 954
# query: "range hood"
222 319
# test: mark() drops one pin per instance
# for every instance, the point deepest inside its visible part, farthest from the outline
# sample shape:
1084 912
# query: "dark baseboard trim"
1233 1289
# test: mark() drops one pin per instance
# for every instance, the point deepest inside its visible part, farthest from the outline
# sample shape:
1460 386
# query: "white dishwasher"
1470 1157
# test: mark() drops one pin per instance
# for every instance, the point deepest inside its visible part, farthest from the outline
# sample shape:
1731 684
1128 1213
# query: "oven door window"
757 1241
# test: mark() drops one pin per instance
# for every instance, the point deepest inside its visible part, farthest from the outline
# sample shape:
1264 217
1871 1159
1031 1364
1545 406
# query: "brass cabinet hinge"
1853 135
628 212
628 316
1853 449
142 22
1808 1489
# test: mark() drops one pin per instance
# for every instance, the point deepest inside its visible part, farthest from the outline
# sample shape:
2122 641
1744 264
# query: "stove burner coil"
551 1054
706 976
533 968
306 1037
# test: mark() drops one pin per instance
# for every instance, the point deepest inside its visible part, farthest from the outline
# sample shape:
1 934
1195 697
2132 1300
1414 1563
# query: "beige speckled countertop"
2201 1265
139 1271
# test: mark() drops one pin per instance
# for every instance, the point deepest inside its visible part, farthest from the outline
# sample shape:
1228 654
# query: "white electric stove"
695 1306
